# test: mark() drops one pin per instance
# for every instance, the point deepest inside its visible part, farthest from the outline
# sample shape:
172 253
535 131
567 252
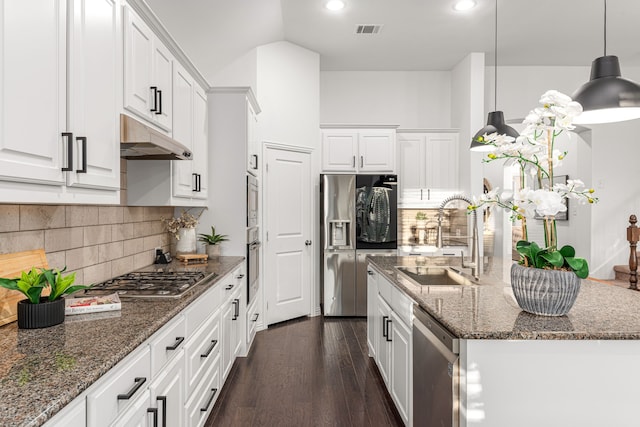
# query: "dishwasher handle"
435 330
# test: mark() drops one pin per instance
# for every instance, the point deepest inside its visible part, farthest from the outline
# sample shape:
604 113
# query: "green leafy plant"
563 259
421 216
213 238
33 282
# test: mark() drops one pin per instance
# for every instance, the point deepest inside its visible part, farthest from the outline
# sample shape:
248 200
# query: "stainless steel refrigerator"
358 217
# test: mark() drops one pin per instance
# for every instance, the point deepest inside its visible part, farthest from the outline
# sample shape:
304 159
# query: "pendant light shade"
495 124
607 97
495 120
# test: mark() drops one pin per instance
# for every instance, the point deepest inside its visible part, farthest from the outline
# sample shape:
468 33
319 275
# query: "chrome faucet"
475 248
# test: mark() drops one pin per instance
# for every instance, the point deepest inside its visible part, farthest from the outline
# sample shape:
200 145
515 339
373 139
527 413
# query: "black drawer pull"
236 310
163 399
176 344
388 335
159 102
194 181
213 345
138 383
255 319
154 411
206 407
228 288
69 137
384 326
155 99
83 139
239 276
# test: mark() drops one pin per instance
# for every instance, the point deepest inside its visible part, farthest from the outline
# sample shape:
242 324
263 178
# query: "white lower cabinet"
119 387
389 336
173 378
252 321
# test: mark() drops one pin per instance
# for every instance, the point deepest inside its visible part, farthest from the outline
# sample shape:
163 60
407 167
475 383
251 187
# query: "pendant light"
607 97
495 120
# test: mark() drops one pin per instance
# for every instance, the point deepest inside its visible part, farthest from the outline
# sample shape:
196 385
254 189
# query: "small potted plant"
421 218
211 242
37 311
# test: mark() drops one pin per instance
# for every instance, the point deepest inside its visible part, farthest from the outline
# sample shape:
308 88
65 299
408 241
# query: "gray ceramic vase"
544 292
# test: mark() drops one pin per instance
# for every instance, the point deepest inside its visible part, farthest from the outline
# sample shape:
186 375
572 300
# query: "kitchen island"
43 370
527 370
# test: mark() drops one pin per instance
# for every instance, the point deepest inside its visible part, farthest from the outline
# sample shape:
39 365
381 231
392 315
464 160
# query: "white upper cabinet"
74 141
95 73
427 167
200 144
183 90
253 143
148 73
358 150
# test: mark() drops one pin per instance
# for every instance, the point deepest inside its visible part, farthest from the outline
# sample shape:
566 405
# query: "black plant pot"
43 315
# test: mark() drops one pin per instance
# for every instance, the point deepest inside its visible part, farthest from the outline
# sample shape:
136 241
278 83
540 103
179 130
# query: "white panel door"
95 76
376 151
32 90
162 66
401 366
183 88
138 47
288 222
339 151
442 161
168 392
411 158
200 143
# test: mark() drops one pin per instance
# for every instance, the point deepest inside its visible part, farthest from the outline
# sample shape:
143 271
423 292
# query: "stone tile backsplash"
97 242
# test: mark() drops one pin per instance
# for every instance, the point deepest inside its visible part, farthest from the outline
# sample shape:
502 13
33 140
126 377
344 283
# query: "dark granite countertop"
489 311
42 370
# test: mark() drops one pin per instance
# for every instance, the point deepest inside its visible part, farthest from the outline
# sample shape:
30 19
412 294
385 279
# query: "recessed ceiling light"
334 5
463 5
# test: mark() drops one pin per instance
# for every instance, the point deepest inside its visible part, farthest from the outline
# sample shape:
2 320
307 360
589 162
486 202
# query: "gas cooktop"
149 284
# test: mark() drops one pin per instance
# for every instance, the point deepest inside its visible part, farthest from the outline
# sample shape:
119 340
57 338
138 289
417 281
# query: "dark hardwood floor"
306 372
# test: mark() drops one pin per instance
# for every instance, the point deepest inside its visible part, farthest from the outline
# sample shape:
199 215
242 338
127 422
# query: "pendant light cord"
495 60
605 27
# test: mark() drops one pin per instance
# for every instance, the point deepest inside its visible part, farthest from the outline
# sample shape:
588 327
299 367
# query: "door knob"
307 242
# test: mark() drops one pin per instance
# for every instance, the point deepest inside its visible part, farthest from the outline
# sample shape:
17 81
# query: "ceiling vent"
368 28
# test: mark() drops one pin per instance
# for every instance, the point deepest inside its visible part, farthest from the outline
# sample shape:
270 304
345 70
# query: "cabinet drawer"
119 387
385 288
198 312
169 340
402 305
204 397
201 351
252 321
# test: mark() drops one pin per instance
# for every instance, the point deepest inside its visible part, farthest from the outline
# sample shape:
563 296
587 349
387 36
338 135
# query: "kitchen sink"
435 276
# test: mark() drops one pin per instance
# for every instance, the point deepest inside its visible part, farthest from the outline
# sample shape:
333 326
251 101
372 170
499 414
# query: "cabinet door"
442 161
138 414
138 48
228 341
339 150
376 150
33 90
401 364
162 68
95 78
183 88
383 352
72 415
373 326
168 393
411 166
200 145
253 144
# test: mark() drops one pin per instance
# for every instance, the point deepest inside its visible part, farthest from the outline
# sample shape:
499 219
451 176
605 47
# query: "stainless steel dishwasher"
435 373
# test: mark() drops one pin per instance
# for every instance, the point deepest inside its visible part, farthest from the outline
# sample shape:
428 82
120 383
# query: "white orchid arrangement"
535 153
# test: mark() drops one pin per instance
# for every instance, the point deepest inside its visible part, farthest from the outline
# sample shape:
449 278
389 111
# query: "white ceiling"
417 34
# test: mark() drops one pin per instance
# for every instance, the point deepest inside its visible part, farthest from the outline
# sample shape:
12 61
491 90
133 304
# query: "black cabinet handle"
69 136
154 411
255 319
83 140
370 273
236 310
138 381
176 344
206 407
159 102
163 399
354 161
199 181
239 276
195 182
228 288
384 326
213 345
388 335
155 99
361 161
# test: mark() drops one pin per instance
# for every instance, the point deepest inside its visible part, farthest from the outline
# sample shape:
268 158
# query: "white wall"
410 99
242 72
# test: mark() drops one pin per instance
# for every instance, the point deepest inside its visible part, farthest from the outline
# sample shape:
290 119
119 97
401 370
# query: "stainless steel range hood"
140 142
